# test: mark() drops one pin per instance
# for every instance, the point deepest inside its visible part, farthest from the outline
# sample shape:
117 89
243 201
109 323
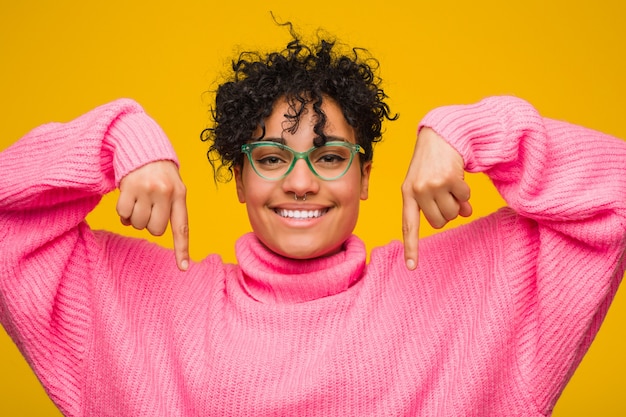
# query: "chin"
305 252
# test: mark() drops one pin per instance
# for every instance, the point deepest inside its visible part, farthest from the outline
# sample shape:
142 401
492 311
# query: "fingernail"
184 264
410 263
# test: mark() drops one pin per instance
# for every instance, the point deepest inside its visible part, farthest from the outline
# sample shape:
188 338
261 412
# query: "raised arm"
555 173
49 181
564 241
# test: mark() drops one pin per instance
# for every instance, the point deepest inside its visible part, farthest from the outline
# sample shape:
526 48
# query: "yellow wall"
59 59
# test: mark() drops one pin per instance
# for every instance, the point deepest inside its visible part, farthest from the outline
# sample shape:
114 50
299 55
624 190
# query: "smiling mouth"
301 214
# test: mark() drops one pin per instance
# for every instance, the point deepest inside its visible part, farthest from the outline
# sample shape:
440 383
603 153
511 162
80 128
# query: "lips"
301 214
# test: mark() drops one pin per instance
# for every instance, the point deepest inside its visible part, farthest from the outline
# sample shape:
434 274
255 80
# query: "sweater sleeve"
563 246
49 181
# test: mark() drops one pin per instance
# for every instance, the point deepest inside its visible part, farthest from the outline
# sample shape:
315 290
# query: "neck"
272 278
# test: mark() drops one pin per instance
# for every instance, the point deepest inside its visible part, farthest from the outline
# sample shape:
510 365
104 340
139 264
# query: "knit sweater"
493 322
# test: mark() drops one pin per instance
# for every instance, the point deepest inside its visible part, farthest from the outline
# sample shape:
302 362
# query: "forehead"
282 123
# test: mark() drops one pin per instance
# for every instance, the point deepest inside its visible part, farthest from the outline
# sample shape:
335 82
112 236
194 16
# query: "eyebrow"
282 141
277 140
336 139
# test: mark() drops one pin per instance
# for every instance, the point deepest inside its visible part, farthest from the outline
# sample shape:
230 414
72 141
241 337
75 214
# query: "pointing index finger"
180 231
410 230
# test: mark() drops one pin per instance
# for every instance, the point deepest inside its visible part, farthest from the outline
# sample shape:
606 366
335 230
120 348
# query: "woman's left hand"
434 184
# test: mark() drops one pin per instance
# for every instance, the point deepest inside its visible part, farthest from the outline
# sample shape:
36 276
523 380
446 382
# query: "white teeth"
300 214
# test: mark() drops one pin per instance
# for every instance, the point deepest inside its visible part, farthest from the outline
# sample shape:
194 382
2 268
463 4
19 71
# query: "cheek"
239 184
250 188
351 189
256 194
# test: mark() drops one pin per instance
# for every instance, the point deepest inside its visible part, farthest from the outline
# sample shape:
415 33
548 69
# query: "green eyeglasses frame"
247 149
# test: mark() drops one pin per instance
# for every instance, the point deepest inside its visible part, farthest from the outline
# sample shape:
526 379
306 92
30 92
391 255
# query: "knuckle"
424 186
435 220
138 225
183 229
438 224
451 212
466 195
450 216
123 212
161 187
438 182
411 188
157 230
181 191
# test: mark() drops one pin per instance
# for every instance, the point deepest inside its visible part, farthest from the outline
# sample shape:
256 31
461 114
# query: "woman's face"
317 226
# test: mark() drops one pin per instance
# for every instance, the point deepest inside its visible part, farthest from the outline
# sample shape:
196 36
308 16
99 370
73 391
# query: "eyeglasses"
274 161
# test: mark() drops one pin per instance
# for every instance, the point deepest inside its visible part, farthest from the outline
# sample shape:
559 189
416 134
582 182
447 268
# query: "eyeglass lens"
274 160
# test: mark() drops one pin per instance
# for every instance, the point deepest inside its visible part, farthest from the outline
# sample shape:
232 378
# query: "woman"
492 319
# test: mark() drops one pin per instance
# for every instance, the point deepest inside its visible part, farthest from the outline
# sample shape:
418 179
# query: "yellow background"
59 59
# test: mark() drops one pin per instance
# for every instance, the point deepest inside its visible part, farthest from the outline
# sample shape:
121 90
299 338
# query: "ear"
241 195
366 170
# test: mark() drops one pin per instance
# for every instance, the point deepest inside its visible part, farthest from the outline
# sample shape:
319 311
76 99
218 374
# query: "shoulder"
483 246
144 262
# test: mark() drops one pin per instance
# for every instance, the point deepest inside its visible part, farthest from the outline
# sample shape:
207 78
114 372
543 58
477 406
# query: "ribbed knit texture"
492 323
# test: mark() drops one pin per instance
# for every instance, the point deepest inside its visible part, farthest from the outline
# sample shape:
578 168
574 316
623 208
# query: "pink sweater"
493 322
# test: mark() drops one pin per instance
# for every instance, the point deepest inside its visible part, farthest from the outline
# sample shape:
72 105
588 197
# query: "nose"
301 180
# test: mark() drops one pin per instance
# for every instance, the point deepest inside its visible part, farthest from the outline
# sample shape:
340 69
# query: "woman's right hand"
153 196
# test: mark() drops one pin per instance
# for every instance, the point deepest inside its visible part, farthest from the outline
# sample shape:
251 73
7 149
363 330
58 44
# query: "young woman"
490 320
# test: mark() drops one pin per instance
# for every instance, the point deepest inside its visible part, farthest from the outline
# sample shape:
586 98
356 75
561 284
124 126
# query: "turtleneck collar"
271 278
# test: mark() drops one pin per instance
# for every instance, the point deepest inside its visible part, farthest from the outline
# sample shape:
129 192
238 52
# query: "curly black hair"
301 74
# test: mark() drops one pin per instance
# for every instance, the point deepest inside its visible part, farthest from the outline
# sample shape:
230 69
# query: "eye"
331 156
270 161
330 159
271 157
